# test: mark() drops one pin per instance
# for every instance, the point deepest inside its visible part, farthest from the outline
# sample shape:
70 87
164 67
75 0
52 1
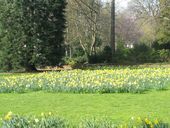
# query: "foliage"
75 62
45 121
31 33
141 53
105 56
88 26
105 80
145 54
164 55
164 27
158 46
122 54
94 123
49 121
133 123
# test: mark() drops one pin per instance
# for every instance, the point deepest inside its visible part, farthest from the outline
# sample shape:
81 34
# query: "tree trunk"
94 30
70 52
112 34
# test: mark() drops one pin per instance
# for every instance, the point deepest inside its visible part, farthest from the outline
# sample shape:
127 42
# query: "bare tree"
127 29
147 14
86 24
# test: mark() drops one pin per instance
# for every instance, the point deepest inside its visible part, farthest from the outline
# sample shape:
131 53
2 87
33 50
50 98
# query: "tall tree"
34 32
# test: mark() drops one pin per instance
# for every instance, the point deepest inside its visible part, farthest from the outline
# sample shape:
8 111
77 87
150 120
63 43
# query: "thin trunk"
93 44
66 51
92 49
112 36
70 51
80 40
83 47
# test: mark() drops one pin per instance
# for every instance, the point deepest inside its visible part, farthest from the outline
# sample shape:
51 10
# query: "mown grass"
75 107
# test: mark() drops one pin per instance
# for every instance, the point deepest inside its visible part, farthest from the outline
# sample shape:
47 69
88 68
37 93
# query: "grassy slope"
77 106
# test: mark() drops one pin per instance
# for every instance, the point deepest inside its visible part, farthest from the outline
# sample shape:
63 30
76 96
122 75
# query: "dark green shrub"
76 61
107 54
31 33
164 55
160 46
104 56
142 53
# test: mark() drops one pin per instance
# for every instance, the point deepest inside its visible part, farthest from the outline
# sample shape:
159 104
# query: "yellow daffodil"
42 114
50 113
156 121
8 116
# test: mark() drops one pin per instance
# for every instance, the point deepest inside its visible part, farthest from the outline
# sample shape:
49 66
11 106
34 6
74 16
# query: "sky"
120 3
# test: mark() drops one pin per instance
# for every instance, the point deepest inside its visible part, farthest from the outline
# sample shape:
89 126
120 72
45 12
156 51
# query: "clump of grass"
49 121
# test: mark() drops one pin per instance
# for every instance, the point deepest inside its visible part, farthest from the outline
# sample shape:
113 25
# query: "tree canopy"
32 32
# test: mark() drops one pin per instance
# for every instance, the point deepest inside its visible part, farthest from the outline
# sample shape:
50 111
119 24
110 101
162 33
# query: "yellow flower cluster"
146 121
44 114
11 120
151 123
126 79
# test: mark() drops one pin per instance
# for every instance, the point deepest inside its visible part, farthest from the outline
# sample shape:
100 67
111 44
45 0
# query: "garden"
94 97
84 63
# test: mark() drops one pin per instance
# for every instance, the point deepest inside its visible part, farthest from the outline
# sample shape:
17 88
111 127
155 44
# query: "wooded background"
55 32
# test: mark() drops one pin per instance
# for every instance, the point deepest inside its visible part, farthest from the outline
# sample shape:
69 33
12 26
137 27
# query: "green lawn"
74 107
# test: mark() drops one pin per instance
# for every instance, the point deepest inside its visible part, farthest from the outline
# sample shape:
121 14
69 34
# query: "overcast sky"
120 3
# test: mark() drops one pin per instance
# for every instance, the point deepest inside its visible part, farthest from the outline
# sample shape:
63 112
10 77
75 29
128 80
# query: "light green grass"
74 107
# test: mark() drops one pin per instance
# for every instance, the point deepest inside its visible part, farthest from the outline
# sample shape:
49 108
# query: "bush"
141 53
164 55
105 56
76 61
123 56
69 61
160 46
96 58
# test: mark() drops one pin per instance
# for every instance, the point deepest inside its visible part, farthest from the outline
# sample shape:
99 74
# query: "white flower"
28 86
132 118
42 114
36 120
